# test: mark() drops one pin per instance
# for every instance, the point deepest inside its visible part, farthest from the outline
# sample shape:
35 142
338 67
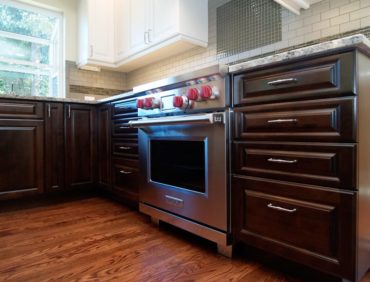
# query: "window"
31 50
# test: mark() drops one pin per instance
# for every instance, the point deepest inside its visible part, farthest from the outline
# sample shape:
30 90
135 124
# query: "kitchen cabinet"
96 33
21 148
125 164
104 146
80 155
300 161
54 147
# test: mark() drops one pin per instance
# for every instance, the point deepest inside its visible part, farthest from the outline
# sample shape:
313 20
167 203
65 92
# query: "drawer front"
121 128
126 179
21 109
320 77
124 108
312 163
310 226
325 120
125 149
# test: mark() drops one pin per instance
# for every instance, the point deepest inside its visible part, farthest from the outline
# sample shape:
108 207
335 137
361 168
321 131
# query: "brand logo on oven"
218 118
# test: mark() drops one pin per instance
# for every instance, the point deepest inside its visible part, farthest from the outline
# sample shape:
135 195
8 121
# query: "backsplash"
323 20
81 83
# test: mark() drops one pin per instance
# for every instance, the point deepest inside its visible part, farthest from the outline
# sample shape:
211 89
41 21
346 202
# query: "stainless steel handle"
271 206
282 81
282 161
91 50
125 148
49 110
190 119
282 120
146 41
149 37
69 111
124 127
125 172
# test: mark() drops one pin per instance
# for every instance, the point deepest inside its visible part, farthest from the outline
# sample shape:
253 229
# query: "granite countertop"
67 100
359 41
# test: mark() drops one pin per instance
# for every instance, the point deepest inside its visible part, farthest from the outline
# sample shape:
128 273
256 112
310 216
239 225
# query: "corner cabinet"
96 33
80 157
128 34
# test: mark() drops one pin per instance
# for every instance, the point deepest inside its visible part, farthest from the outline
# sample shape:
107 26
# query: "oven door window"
179 163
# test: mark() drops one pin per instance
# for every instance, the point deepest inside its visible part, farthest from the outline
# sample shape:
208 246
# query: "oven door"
183 164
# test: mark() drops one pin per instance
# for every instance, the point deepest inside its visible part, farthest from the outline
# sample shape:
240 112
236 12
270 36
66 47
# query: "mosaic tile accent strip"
244 25
94 90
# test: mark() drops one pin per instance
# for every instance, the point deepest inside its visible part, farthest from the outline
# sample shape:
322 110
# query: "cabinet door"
104 146
54 147
137 11
101 30
80 145
21 151
164 16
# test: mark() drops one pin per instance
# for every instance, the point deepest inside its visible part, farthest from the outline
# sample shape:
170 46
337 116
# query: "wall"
323 19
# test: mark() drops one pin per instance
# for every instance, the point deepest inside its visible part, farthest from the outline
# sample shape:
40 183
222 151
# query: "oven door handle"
190 119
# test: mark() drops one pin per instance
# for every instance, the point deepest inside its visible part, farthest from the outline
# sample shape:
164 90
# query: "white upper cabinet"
96 33
128 34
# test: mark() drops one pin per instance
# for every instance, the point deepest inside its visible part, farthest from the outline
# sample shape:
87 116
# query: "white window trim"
60 54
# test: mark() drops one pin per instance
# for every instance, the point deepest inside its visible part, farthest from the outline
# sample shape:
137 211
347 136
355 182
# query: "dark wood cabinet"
54 147
104 146
81 151
22 158
301 161
126 179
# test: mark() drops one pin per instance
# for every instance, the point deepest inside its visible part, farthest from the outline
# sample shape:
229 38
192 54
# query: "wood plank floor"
96 239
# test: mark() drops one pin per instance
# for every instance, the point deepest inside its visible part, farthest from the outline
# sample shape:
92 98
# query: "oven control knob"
151 103
193 94
140 103
180 102
206 92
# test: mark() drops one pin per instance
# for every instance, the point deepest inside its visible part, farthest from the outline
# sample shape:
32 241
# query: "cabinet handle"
146 37
49 110
271 206
282 120
91 50
282 81
149 37
125 148
281 161
69 111
124 127
125 172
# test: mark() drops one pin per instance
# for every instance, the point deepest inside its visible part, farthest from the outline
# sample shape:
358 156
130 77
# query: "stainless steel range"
183 133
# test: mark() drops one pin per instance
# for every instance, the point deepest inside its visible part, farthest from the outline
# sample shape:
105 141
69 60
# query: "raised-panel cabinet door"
80 145
54 147
137 13
121 28
164 17
104 146
22 155
101 30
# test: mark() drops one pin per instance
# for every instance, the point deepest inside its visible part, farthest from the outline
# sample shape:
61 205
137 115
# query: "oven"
183 155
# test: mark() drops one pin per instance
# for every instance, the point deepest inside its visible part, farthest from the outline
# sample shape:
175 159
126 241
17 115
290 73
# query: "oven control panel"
201 94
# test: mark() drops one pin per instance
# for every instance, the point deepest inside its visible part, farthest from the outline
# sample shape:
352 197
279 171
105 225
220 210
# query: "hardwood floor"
96 239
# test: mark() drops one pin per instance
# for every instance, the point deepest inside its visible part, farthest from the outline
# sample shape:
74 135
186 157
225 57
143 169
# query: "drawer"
314 120
21 109
121 128
126 179
125 108
320 77
311 226
313 163
125 149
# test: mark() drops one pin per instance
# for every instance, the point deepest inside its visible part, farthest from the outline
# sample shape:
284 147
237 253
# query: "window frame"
56 65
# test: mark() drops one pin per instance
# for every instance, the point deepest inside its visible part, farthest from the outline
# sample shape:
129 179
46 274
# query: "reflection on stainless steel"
183 153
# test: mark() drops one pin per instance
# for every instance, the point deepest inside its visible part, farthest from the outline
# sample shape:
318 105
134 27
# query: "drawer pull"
125 148
271 206
282 120
282 81
281 161
124 127
125 172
